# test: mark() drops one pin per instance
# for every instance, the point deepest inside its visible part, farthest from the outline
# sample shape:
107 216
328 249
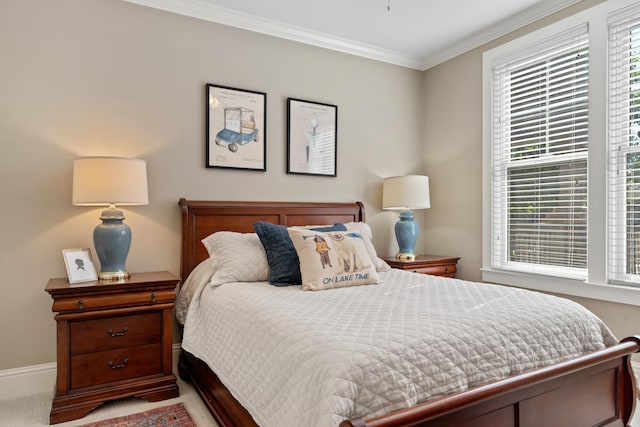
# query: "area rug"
166 416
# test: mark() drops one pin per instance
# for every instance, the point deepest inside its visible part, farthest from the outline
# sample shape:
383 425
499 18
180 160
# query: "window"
624 146
562 156
540 146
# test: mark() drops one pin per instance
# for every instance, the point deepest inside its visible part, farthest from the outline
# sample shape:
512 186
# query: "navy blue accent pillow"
281 254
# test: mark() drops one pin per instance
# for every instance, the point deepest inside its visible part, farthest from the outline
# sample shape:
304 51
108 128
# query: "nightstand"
114 340
434 265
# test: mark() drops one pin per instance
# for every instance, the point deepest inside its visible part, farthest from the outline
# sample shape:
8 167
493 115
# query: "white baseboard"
28 380
36 379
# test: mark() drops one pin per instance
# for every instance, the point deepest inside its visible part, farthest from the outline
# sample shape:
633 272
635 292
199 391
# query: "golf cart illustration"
239 128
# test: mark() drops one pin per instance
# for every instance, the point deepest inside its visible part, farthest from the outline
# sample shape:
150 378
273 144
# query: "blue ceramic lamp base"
112 240
407 235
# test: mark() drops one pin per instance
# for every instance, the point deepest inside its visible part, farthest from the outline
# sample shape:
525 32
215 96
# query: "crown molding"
202 10
205 11
529 16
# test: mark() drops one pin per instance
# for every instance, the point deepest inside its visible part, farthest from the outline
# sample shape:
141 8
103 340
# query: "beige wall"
453 159
106 77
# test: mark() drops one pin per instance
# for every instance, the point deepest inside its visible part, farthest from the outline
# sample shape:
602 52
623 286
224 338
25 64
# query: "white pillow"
236 257
364 229
333 259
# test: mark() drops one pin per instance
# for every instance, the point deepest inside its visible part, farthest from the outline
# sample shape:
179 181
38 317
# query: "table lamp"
110 181
405 193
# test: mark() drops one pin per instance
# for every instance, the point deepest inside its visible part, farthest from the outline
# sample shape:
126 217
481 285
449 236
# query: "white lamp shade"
406 192
100 181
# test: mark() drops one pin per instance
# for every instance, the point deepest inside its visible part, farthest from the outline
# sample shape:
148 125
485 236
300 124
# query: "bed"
595 388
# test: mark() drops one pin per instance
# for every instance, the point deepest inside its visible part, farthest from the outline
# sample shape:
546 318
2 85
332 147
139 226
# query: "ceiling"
412 33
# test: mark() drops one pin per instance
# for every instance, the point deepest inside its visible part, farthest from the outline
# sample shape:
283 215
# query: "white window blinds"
624 146
539 157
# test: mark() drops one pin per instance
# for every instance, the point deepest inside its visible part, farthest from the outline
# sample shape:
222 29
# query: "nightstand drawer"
115 365
102 302
89 336
440 270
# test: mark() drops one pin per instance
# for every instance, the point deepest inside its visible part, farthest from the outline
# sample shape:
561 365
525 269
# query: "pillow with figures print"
365 230
281 255
332 259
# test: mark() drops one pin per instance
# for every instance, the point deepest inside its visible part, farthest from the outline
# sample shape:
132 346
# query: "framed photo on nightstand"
79 265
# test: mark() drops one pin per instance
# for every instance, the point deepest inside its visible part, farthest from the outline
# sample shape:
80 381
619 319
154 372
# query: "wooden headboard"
202 218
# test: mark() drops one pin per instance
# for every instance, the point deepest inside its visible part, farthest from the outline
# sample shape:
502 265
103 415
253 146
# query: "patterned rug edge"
175 415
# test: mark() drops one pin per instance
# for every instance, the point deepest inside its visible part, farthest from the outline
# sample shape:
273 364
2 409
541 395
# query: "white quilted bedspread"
296 358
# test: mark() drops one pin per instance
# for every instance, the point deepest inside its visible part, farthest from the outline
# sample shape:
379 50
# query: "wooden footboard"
597 389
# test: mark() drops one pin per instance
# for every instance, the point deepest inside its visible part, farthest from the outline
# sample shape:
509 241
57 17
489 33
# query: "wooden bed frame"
597 389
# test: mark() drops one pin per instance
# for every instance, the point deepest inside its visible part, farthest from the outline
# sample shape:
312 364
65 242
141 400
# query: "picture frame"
312 138
236 128
79 265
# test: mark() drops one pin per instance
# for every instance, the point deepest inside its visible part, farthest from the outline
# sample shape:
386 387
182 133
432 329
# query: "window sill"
612 293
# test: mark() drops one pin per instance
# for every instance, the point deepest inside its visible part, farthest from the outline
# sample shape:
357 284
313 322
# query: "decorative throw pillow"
281 255
236 257
364 229
332 260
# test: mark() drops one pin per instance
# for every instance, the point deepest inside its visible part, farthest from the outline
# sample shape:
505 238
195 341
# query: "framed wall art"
79 265
236 128
312 138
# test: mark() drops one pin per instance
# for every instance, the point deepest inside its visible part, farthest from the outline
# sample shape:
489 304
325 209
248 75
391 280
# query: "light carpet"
33 411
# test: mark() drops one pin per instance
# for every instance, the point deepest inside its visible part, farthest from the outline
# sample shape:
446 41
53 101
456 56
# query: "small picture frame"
236 128
312 138
79 265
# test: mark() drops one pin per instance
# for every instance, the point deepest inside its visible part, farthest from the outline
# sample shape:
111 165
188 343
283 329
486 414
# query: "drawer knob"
80 304
118 365
446 269
118 333
153 297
